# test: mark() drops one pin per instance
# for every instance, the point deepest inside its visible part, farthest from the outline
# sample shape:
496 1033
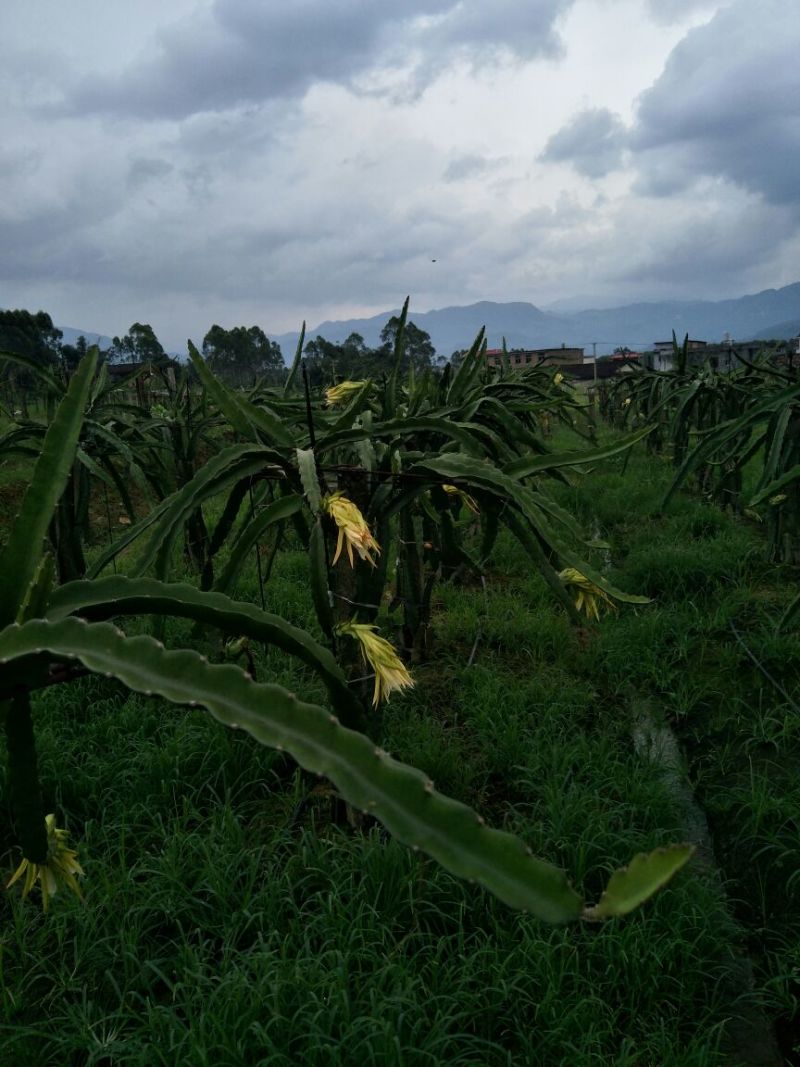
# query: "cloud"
714 244
524 29
726 106
265 163
252 51
146 169
668 11
468 166
592 141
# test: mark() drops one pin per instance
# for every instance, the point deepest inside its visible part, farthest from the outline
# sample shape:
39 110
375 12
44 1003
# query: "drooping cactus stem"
26 793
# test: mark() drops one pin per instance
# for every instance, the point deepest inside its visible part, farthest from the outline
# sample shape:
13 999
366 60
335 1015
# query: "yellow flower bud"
353 529
61 865
588 596
390 671
338 394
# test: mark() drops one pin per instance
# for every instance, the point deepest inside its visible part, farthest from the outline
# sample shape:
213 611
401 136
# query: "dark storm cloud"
727 106
592 141
241 51
249 51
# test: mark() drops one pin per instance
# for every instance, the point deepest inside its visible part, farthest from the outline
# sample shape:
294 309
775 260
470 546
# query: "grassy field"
231 919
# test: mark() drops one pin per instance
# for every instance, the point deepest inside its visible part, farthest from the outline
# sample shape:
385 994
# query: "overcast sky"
252 161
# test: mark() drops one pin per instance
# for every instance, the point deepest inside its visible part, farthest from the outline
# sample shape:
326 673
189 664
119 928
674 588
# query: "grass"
214 934
225 923
728 698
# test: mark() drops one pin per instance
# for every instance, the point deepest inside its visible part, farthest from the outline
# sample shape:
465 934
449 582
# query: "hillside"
635 325
770 313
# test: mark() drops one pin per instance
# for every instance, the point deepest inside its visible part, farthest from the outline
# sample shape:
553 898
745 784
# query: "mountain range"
770 313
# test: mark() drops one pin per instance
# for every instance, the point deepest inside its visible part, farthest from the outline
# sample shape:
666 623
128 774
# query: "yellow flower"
465 497
588 596
558 378
390 671
337 394
353 529
626 401
61 865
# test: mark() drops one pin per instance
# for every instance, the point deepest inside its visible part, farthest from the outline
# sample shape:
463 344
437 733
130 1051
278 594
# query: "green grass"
213 934
226 923
740 731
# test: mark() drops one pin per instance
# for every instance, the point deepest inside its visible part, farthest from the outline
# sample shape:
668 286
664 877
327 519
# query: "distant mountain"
636 325
771 313
71 335
578 302
781 331
449 328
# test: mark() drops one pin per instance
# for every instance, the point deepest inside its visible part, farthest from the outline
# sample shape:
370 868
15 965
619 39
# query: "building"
666 348
604 368
534 357
726 356
662 355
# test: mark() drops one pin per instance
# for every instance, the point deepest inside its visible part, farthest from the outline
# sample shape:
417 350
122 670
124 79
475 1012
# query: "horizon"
606 345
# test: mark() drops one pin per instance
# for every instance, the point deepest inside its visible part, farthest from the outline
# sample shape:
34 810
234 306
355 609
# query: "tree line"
241 356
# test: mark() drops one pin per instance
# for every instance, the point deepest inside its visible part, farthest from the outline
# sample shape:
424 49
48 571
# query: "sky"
255 162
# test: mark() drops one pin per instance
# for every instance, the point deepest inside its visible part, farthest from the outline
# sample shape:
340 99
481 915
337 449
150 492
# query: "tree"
71 355
32 335
139 345
242 355
327 362
419 351
26 334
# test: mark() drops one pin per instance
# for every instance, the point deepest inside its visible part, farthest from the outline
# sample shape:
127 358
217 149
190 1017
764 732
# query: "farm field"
237 912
